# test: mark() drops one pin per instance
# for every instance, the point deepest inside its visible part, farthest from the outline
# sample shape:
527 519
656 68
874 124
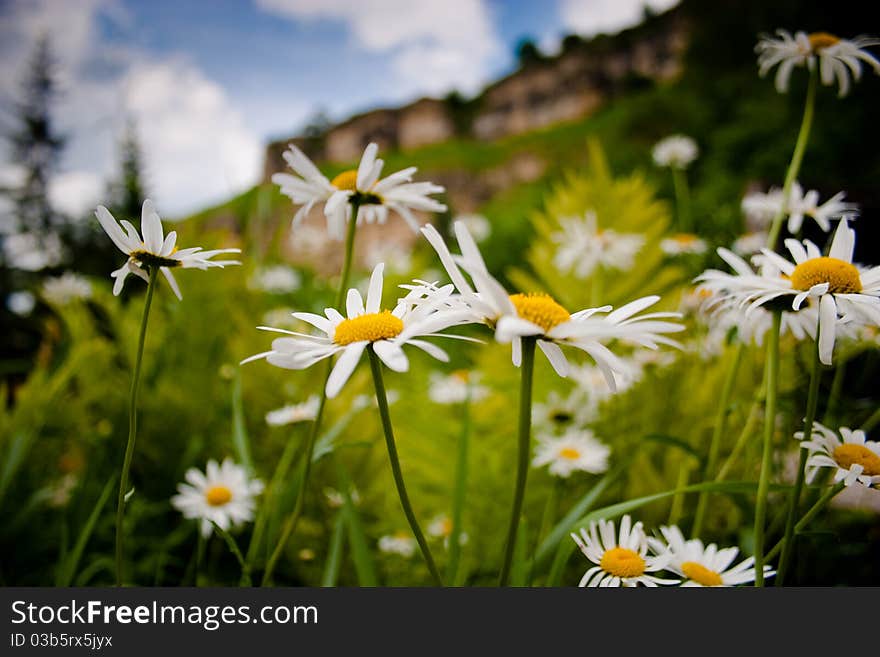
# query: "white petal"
173 283
374 294
555 356
151 227
827 322
344 367
392 355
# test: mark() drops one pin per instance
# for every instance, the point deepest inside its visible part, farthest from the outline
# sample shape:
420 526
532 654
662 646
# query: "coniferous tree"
36 145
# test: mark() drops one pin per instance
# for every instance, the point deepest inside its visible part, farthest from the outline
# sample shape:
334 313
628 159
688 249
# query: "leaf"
334 553
240 438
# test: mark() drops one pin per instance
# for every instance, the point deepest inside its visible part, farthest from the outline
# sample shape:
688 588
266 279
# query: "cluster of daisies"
629 557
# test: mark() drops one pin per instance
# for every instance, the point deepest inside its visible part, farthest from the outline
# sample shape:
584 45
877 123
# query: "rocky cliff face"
569 86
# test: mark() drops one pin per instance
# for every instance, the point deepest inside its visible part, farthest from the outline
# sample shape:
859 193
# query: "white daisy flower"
843 292
32 251
68 287
21 303
155 249
750 243
396 257
676 151
277 279
400 543
456 387
621 560
853 458
582 246
478 225
513 317
223 494
336 499
761 208
591 380
701 565
424 312
293 413
682 244
575 450
375 197
838 58
441 527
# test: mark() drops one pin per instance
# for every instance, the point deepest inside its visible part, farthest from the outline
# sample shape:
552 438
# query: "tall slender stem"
682 200
717 432
382 401
797 157
795 499
292 520
461 468
772 378
524 444
807 518
132 430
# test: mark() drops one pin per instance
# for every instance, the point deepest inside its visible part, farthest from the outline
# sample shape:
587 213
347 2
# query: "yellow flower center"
347 180
848 454
700 574
540 309
461 375
685 239
569 453
218 495
445 527
841 276
148 259
622 562
368 328
820 40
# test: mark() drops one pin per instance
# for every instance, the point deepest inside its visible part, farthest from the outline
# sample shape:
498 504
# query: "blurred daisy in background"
66 288
396 258
478 225
277 279
848 453
575 450
838 59
441 527
539 316
424 312
558 413
223 494
750 243
293 413
582 246
675 151
701 565
761 208
155 249
400 543
683 244
21 303
621 559
456 387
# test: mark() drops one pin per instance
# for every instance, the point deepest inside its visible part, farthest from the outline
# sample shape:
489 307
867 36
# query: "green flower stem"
382 400
872 421
677 507
682 200
808 517
717 432
460 490
772 378
795 499
525 432
233 547
132 430
797 157
292 520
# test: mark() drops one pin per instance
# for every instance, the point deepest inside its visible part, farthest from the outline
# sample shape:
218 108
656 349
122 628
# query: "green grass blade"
240 438
334 553
519 572
67 569
364 566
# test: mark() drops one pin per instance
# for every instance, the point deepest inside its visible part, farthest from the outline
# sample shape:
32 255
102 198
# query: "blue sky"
209 82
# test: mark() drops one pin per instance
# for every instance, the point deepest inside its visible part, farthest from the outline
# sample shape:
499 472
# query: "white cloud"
197 147
434 46
76 192
594 16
